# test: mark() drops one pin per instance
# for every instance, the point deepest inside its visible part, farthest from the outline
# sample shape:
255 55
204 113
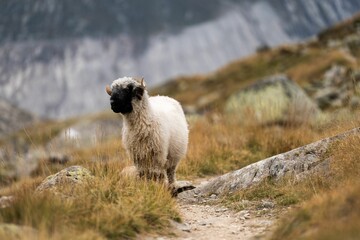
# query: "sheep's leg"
152 168
153 175
170 172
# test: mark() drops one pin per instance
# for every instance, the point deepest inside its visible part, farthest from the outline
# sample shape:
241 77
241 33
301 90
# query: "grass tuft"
111 206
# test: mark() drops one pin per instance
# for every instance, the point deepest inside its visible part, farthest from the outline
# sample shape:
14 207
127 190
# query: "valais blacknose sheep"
155 131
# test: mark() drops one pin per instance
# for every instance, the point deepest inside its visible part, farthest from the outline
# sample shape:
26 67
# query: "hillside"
63 179
13 119
304 63
54 48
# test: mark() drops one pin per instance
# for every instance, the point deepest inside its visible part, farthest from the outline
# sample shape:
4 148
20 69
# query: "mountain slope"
13 118
61 49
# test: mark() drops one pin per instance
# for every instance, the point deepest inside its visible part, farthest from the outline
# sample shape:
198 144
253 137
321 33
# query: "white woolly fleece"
155 133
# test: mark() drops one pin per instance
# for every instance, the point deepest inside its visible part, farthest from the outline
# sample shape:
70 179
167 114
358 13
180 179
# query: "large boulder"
275 99
67 178
338 88
298 162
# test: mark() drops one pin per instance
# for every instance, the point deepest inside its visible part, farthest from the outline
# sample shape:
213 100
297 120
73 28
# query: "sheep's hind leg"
174 187
170 172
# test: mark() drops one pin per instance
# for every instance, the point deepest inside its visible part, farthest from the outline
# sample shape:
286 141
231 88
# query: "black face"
121 98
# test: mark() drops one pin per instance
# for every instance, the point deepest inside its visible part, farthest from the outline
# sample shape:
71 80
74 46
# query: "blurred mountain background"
57 56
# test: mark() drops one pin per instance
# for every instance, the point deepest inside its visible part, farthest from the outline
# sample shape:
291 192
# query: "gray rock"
337 88
181 186
181 226
267 204
86 133
296 162
276 99
71 176
6 201
355 102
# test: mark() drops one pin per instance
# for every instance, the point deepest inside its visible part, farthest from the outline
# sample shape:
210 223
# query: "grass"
219 145
108 207
39 133
304 65
116 207
334 211
113 206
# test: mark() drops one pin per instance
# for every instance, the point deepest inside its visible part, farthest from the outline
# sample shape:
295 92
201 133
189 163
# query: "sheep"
155 131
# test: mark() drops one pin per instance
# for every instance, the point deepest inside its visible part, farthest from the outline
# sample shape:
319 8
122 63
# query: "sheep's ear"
108 90
138 92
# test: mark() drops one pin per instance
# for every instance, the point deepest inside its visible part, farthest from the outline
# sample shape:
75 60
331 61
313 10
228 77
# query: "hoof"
180 187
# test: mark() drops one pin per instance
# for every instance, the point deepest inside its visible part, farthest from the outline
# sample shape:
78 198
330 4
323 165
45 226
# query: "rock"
6 201
182 186
337 88
297 162
12 231
266 204
85 133
71 176
181 226
355 102
276 99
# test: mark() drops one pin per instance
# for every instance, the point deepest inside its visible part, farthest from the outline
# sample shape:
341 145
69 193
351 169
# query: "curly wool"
155 134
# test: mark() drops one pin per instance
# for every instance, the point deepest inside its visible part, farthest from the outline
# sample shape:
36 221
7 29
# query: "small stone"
213 196
181 226
221 210
6 201
267 204
202 223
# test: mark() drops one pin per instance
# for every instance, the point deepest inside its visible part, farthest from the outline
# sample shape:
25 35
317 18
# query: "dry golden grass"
313 69
333 212
117 207
113 207
219 145
303 64
109 206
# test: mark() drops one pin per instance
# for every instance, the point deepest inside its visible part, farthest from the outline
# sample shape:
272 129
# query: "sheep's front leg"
153 169
151 174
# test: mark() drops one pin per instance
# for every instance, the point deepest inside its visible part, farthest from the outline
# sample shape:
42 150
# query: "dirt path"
202 221
208 220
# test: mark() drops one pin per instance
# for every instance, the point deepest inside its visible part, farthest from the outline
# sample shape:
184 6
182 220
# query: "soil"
207 219
203 221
